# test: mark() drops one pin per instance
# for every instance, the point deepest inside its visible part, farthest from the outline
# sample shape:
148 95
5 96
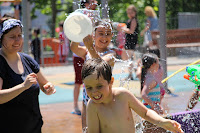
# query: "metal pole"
104 7
41 48
25 24
162 42
75 5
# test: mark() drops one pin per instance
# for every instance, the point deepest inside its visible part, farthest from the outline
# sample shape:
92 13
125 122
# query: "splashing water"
95 16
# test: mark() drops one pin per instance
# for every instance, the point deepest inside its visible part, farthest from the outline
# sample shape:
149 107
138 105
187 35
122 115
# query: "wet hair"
8 15
36 30
97 66
104 22
147 60
150 11
61 24
83 2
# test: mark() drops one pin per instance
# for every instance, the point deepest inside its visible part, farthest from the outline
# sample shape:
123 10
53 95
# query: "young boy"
109 110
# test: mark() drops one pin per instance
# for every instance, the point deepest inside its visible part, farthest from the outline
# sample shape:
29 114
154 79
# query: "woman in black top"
131 32
20 83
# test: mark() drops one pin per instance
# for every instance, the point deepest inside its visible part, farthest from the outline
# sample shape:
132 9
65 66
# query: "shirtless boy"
109 109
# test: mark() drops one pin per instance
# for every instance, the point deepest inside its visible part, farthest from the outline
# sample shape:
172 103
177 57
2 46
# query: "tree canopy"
117 9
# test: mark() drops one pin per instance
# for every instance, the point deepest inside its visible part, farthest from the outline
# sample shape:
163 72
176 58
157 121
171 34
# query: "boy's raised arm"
92 118
151 115
88 41
78 50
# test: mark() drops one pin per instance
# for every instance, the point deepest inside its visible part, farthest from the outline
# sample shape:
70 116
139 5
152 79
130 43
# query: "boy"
109 110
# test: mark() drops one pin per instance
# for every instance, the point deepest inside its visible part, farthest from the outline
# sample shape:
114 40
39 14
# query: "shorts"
148 33
78 64
86 98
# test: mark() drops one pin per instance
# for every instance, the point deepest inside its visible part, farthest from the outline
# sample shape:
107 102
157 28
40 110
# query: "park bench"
179 38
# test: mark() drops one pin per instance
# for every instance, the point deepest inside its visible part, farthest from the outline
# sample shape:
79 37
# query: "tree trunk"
54 14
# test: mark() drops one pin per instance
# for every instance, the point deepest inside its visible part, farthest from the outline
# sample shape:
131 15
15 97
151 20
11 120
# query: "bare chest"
116 118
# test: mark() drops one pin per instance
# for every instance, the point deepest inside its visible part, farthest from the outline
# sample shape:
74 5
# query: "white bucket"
77 26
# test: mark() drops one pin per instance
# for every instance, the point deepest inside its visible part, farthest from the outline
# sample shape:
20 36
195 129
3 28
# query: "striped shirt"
154 95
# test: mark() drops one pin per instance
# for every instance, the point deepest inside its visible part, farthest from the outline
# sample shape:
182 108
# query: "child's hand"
171 125
49 88
30 80
88 41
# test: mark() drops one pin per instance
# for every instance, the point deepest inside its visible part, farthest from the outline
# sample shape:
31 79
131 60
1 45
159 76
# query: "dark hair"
98 66
83 2
147 60
104 22
8 15
36 30
61 24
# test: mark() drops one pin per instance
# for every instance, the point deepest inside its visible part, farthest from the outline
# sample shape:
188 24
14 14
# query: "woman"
20 81
151 25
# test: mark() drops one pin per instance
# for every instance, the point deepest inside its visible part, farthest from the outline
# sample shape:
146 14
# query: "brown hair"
97 66
132 7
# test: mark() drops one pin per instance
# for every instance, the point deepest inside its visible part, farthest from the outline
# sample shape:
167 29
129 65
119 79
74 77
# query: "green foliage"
117 11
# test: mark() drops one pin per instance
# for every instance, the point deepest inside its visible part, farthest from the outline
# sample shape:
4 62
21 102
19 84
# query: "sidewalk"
57 117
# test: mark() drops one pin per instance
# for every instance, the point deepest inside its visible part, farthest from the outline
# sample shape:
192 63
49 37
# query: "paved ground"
57 117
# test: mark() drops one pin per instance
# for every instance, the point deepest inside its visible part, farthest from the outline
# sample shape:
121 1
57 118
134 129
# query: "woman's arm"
148 24
7 94
46 86
78 50
132 28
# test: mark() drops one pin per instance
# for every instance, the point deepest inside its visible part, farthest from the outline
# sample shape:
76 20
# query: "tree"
53 7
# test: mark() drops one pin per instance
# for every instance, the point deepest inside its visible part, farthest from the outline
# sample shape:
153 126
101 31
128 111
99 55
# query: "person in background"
131 34
20 83
193 99
17 11
97 48
64 44
35 45
151 25
78 62
151 86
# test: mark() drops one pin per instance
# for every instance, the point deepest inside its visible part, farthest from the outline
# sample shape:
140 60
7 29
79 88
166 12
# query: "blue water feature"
61 95
66 95
177 82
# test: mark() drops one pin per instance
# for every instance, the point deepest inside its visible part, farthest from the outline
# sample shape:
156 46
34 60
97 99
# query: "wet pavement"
57 117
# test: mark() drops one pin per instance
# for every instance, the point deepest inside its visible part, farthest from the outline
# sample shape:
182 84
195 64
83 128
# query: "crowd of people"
103 106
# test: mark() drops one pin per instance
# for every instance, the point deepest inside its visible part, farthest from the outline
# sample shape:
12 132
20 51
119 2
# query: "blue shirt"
153 22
